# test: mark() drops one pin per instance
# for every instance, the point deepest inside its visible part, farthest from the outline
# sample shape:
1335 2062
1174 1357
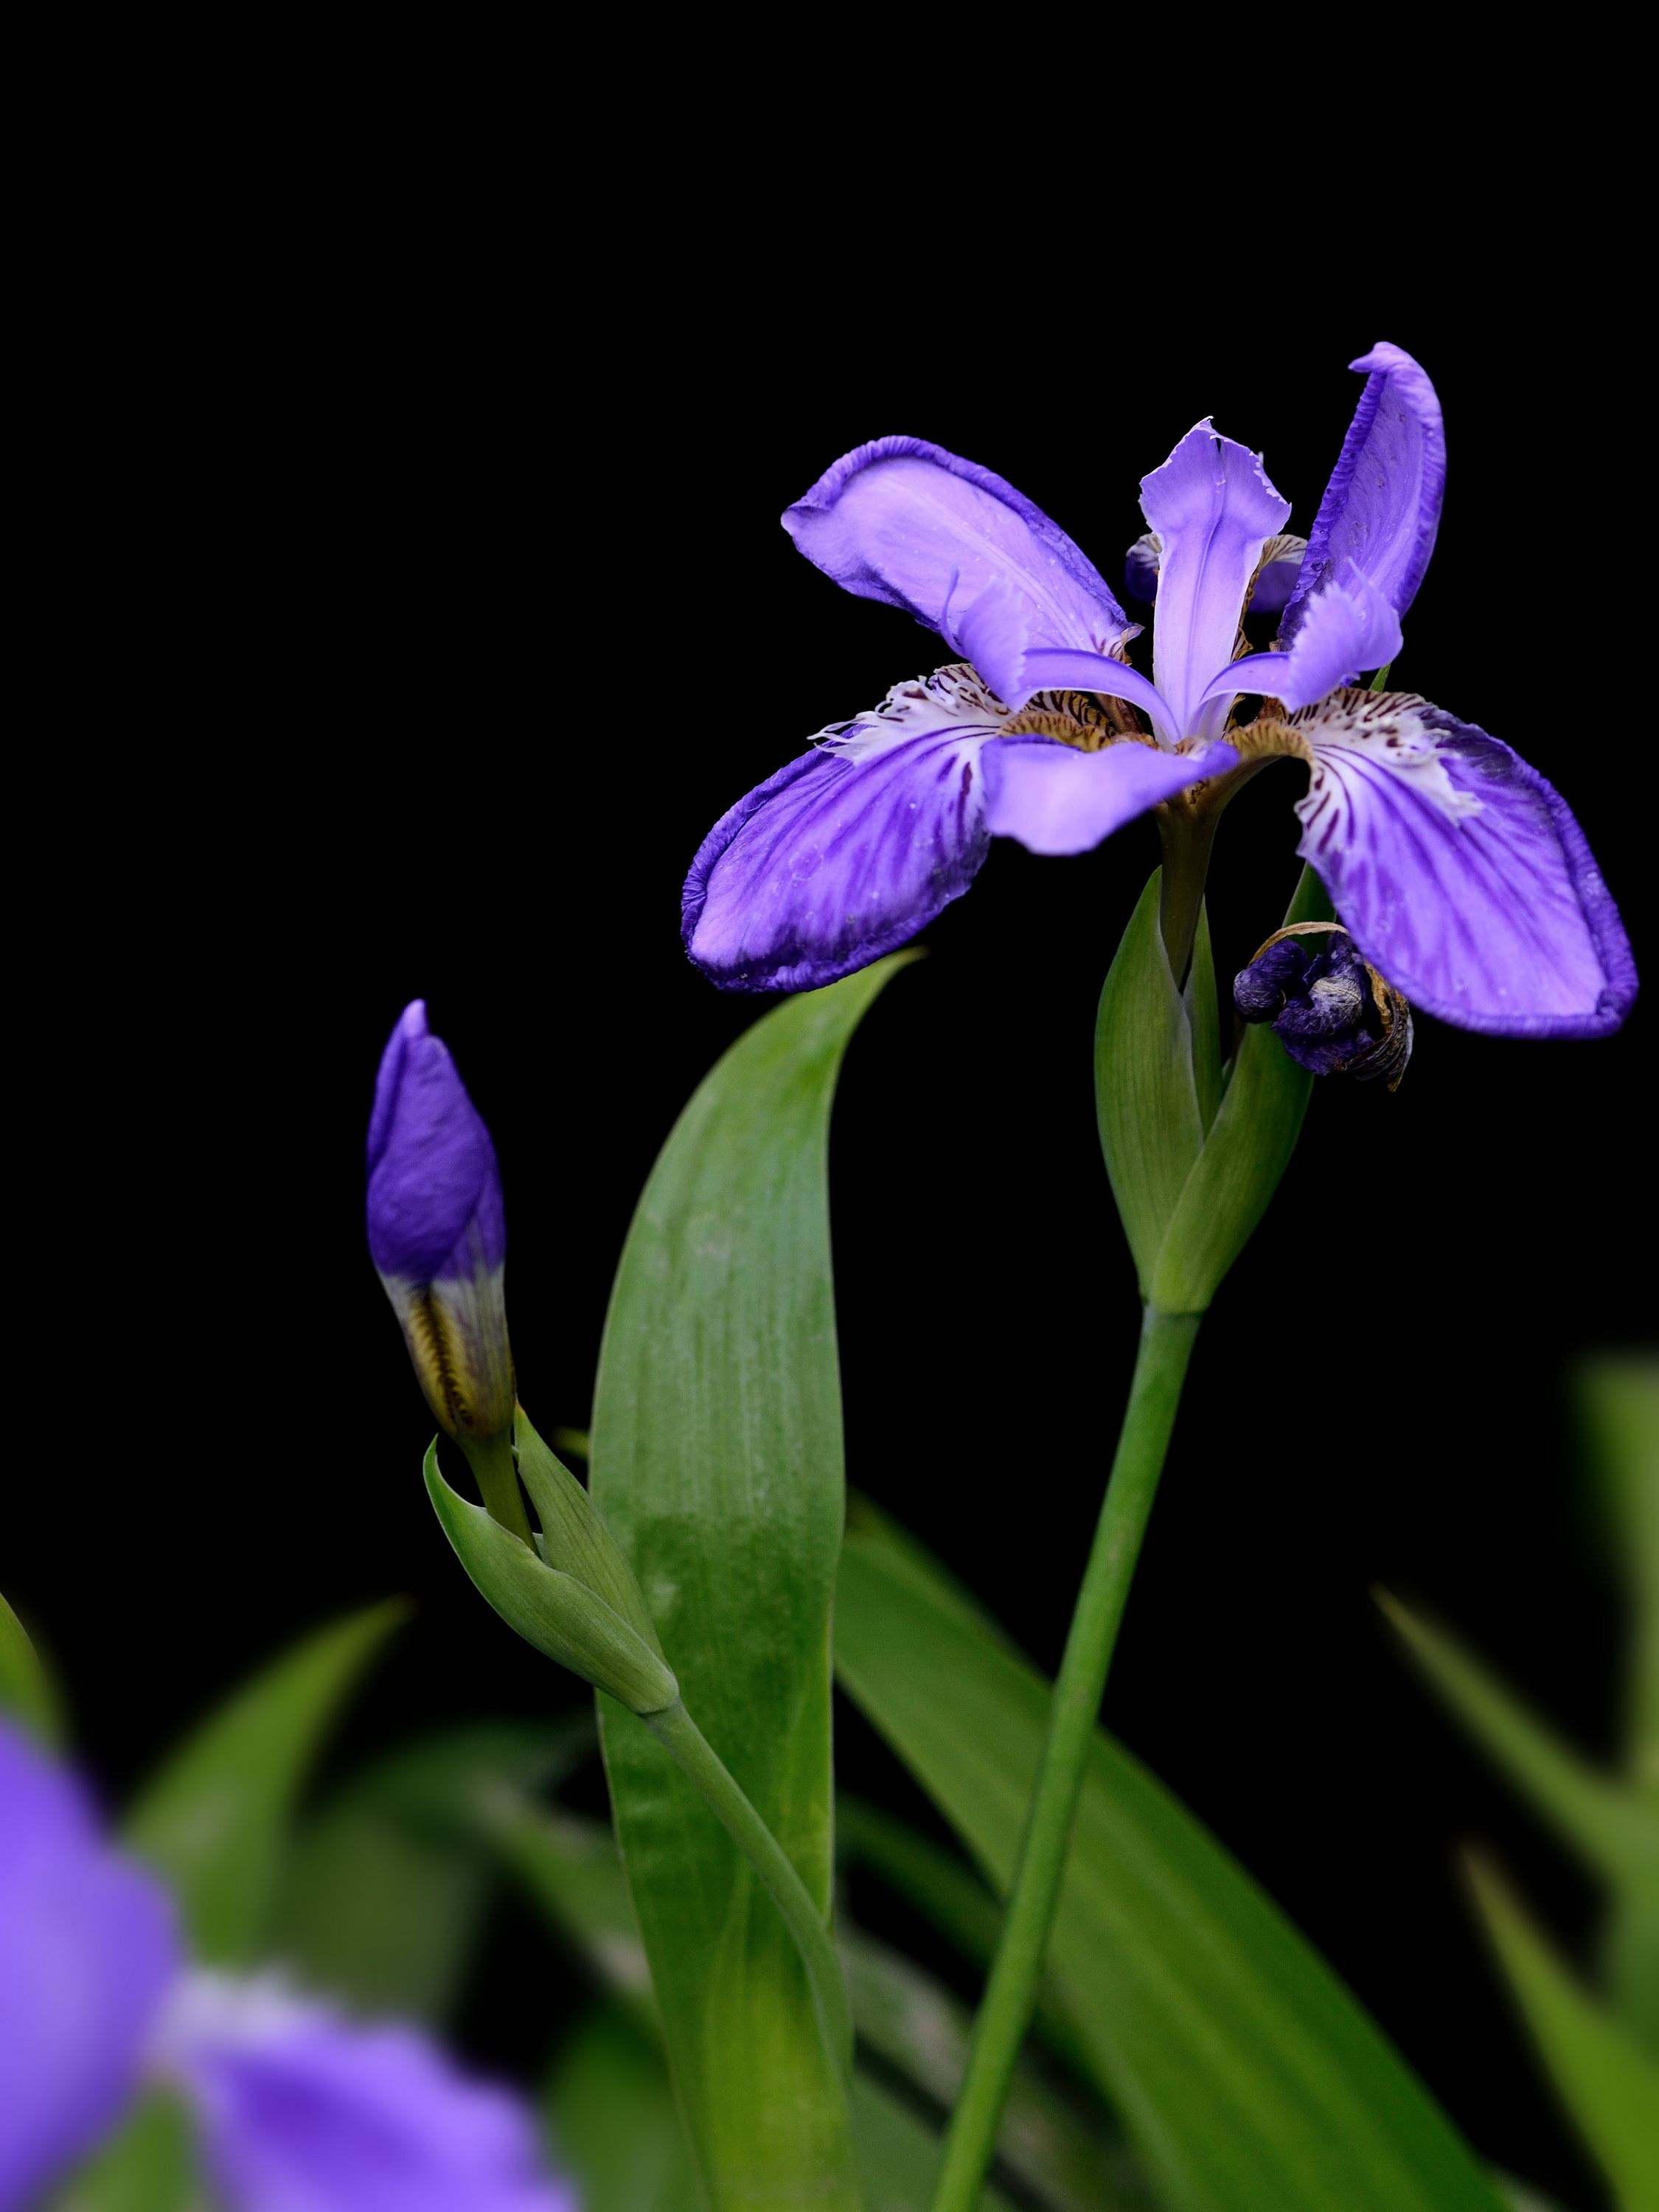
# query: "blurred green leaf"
1618 1406
920 2031
610 2119
1608 2084
1248 2078
1612 1828
1249 1147
149 2164
1619 1409
1146 1101
572 1870
27 1690
898 2154
215 1821
717 1463
384 1895
950 1897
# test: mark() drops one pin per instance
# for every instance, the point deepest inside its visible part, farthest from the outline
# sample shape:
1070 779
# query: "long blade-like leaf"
1607 2080
1614 1829
1250 2079
384 1895
215 1821
717 1462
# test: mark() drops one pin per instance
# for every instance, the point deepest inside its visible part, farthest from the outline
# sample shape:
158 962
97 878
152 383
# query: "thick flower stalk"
1459 872
293 2104
437 1235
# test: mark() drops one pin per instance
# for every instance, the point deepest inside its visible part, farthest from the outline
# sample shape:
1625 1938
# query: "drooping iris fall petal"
1461 872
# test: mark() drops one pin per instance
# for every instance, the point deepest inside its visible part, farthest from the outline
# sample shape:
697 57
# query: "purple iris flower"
1458 870
437 1232
295 2108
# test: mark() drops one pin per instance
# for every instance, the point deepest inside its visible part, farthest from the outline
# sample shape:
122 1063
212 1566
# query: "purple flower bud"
436 1231
1329 1008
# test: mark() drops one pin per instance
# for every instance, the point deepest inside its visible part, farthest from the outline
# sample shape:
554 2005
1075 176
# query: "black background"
424 602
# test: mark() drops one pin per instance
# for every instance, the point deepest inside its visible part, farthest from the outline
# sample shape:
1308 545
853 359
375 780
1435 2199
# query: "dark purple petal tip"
434 1193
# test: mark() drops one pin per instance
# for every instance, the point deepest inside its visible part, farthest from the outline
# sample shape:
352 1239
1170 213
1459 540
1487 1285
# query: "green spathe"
562 1617
1195 1151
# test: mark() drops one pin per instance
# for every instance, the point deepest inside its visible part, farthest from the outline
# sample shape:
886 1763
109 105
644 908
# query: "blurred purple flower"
1460 871
88 1949
297 2110
437 1233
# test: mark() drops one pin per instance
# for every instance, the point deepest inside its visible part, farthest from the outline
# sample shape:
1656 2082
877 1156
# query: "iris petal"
88 1947
1460 871
1349 626
300 2108
1214 510
1054 798
1382 508
953 544
848 850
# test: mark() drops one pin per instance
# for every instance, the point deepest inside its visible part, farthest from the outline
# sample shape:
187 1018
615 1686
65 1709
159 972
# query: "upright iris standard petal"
87 1947
1348 628
1382 508
904 521
437 1232
1459 871
848 850
1213 510
301 2111
1054 798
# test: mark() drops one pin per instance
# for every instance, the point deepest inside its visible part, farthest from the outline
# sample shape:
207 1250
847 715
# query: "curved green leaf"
26 1688
717 1463
215 1821
384 1894
1607 2080
1248 2078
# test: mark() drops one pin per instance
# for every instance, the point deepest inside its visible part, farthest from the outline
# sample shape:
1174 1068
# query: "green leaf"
1613 1829
1607 2082
1151 1129
215 1821
898 2154
384 1895
920 2031
1244 1156
717 1463
149 2164
612 2124
25 1689
1248 2078
1619 1408
571 1869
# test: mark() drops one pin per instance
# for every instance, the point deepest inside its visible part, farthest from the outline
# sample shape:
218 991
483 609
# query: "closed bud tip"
437 1233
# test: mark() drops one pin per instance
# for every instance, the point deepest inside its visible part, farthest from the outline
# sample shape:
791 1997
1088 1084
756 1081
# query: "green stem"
1187 841
491 1458
685 1743
1166 1344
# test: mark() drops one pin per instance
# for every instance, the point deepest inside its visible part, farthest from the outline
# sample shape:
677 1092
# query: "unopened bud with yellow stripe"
437 1233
